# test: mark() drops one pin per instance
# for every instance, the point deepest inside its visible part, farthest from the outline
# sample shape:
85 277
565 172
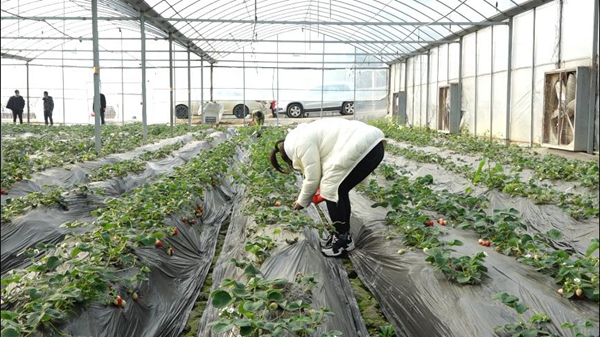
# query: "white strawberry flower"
576 280
528 256
485 254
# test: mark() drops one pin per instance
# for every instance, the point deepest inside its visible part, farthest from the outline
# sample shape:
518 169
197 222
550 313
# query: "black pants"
340 212
48 116
102 116
18 114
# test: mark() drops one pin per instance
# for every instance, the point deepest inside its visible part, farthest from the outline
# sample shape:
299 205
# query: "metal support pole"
202 86
420 91
460 78
322 75
122 82
62 69
243 83
212 68
427 95
509 80
476 83
491 83
171 82
189 88
354 86
96 48
277 70
144 110
437 90
405 117
532 79
413 91
593 84
27 90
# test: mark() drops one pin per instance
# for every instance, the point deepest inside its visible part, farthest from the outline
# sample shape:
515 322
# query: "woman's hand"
297 206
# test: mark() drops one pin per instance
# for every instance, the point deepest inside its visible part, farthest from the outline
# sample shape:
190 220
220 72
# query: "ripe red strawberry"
175 231
184 219
192 222
443 223
119 302
158 244
428 223
3 191
480 241
487 243
171 251
135 296
439 220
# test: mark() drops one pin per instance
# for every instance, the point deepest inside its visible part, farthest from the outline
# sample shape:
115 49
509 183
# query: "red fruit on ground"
183 219
2 191
480 241
443 223
175 231
487 243
170 251
277 204
135 296
192 222
158 244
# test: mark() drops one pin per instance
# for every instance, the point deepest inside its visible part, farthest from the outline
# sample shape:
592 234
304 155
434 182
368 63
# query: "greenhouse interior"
408 168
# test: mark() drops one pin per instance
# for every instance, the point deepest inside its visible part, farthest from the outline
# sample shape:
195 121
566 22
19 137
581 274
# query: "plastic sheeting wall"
540 43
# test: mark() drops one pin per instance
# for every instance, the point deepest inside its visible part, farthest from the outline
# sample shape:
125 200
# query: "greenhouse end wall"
540 43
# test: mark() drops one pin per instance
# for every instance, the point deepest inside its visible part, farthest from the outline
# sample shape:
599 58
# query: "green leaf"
251 270
462 278
593 247
221 327
221 299
274 295
10 332
9 315
554 234
53 262
520 308
246 330
253 306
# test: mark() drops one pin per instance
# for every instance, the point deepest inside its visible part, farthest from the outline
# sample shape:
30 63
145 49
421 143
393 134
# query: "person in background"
335 155
16 103
102 108
48 108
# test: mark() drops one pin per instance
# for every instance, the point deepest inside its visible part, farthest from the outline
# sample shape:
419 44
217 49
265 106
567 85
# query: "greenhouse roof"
40 31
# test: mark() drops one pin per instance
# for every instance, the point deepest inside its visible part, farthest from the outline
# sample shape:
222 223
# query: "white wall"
485 70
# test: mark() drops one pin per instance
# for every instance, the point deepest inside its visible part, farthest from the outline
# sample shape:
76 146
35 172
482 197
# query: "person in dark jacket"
48 108
102 107
16 103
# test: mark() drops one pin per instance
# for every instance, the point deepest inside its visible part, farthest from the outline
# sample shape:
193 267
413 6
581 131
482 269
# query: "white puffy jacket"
326 151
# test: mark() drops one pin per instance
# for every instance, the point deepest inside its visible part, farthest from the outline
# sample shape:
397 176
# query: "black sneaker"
326 241
338 245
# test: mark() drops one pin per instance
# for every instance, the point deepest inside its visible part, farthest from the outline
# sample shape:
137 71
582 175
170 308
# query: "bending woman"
335 155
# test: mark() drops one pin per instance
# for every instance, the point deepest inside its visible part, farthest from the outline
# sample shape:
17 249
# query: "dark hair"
45 92
279 148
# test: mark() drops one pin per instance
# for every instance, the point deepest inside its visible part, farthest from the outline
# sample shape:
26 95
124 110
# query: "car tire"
347 108
240 111
181 111
295 110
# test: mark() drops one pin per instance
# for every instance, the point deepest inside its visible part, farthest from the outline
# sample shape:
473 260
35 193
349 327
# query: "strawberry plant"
260 307
534 326
90 264
544 167
463 270
537 324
